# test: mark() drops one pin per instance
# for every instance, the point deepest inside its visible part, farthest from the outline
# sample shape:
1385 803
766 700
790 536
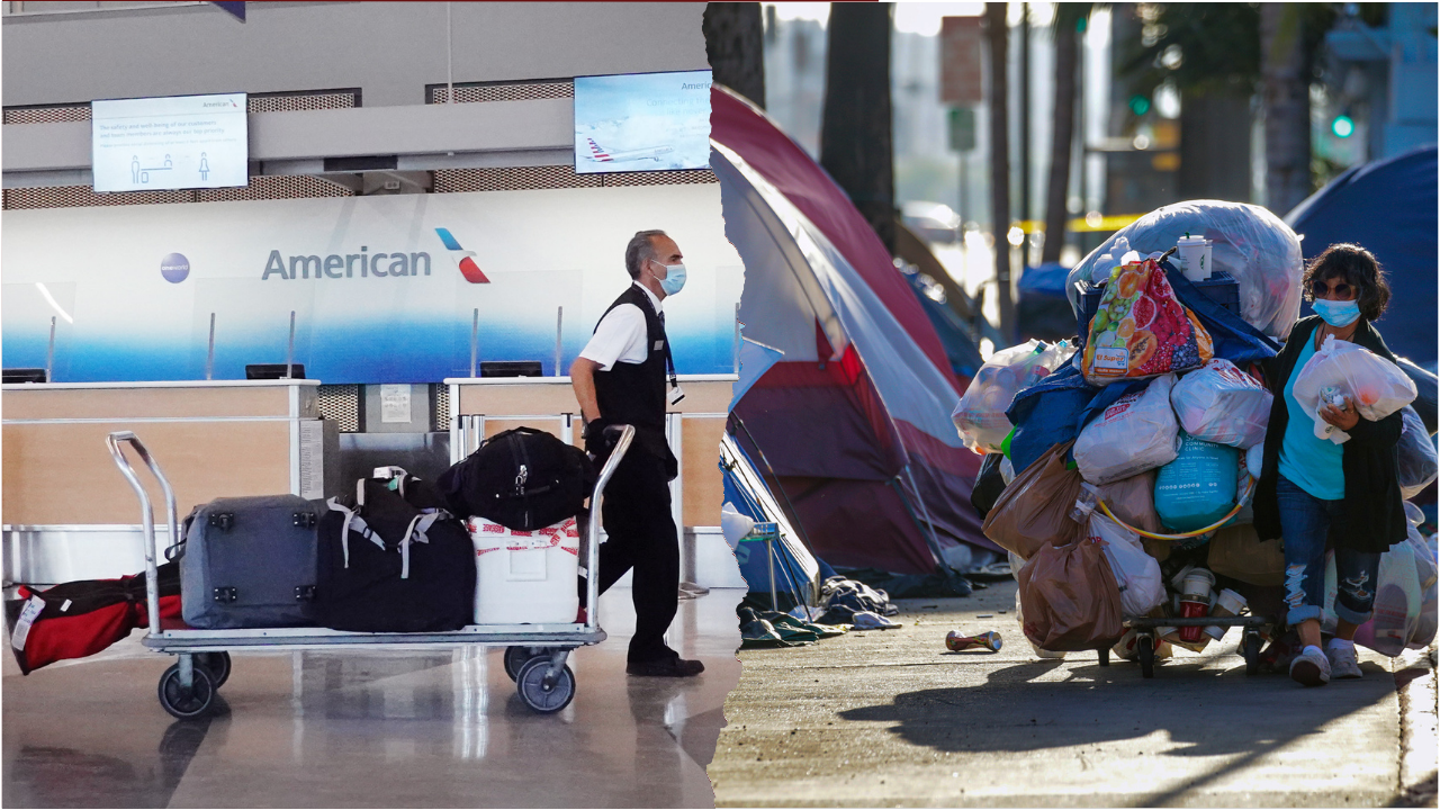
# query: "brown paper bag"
1237 552
1069 597
1034 510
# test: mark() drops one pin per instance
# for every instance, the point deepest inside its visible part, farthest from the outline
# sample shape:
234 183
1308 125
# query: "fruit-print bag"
1141 329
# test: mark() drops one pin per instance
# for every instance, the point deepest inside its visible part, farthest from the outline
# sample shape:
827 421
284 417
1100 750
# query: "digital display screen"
153 144
639 122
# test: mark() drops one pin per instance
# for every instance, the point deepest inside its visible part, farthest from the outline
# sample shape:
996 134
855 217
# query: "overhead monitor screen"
150 144
639 122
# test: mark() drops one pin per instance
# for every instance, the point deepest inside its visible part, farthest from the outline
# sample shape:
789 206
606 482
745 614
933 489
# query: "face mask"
674 280
1337 313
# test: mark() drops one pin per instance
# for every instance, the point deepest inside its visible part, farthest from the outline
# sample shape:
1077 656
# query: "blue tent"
1389 207
797 572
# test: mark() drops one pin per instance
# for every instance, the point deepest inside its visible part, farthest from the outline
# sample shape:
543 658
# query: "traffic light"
1342 126
1139 104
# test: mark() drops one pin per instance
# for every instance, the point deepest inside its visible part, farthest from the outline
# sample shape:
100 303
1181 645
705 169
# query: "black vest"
634 393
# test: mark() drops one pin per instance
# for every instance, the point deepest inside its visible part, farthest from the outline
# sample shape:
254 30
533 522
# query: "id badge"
676 394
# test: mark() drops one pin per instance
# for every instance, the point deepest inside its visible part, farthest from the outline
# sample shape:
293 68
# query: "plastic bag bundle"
1249 243
1425 385
1142 330
1034 510
980 415
1199 486
1405 599
1377 386
1070 598
1418 463
1135 434
1222 404
1142 588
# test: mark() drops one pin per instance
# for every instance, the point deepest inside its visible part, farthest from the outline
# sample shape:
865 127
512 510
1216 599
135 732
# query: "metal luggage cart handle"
592 558
152 587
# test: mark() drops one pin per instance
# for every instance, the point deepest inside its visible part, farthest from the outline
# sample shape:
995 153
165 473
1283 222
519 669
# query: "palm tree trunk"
855 127
1286 87
1061 144
735 44
997 32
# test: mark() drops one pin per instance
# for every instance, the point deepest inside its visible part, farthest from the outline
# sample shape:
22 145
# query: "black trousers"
642 537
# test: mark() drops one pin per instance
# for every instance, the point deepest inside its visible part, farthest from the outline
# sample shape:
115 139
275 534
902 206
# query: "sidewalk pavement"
887 718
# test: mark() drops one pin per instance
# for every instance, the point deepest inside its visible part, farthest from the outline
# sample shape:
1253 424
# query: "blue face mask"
1337 313
674 280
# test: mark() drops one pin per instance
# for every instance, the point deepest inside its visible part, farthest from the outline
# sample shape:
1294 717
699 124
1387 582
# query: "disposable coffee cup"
1193 609
1197 585
1227 603
1194 256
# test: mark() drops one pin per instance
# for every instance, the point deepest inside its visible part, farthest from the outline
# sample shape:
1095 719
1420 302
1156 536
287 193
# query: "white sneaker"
1343 663
1310 668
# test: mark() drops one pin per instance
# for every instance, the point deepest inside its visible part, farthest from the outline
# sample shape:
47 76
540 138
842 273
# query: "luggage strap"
415 533
352 518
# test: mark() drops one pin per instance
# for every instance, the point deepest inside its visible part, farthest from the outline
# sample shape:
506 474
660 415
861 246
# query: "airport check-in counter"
68 514
483 407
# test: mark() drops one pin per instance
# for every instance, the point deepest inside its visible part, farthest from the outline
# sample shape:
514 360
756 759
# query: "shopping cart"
535 656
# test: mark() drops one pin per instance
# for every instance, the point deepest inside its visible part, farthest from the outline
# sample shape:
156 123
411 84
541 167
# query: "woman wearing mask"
1312 490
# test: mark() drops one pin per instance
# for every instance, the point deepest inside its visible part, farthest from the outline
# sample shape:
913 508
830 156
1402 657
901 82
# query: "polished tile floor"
376 729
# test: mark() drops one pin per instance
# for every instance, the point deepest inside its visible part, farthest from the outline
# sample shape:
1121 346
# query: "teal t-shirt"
1314 465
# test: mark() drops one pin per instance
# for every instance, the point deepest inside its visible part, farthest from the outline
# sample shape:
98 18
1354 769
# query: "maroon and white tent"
856 419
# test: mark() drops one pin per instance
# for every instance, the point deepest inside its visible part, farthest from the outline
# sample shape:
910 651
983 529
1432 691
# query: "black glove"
597 443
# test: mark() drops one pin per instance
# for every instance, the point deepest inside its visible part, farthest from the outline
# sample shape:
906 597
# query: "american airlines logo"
365 264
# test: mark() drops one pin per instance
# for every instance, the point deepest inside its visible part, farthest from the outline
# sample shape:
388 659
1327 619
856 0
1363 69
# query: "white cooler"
525 577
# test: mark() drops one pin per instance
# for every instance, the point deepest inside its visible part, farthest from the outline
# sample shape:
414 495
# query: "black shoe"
665 668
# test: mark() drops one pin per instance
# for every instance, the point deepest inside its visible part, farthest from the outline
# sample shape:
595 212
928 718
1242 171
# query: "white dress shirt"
621 336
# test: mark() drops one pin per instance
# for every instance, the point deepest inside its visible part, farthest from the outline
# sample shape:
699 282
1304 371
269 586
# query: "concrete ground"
890 718
375 728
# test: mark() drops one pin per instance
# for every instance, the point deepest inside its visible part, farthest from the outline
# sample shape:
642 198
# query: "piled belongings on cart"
1123 486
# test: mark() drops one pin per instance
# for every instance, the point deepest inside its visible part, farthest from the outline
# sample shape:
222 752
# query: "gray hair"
640 250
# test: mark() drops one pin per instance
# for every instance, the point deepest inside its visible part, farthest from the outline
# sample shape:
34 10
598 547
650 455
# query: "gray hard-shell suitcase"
250 562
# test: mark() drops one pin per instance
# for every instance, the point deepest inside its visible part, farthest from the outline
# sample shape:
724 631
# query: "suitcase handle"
147 518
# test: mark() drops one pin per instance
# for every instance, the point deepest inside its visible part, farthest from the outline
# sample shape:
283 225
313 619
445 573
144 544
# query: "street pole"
1025 121
997 32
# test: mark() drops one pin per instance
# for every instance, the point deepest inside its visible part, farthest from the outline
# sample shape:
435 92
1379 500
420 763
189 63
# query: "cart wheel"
1104 656
185 703
1252 652
539 695
217 664
1147 655
517 657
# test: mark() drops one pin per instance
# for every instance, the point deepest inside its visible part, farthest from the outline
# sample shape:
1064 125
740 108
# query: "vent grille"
275 187
84 197
452 181
255 103
280 187
341 404
441 398
47 115
471 93
294 102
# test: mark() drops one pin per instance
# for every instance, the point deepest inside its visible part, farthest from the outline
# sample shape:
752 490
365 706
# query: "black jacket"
634 393
1375 512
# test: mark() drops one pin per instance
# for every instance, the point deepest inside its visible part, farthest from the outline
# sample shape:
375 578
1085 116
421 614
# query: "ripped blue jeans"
1305 522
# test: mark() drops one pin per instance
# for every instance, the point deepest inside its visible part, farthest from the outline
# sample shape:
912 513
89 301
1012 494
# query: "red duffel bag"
78 619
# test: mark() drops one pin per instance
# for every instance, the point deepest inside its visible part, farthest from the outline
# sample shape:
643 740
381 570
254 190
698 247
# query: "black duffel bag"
524 479
393 559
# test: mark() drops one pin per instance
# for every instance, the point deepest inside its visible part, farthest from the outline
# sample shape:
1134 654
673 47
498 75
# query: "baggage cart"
1149 640
535 655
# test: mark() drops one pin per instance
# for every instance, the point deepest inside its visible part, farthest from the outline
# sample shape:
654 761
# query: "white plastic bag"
1222 404
1137 433
1418 463
980 415
1142 588
1375 385
1405 599
1249 242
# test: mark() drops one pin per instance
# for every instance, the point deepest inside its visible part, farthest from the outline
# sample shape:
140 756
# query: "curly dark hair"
1360 269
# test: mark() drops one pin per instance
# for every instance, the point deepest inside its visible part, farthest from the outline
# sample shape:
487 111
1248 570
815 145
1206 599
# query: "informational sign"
962 129
642 122
395 403
384 289
962 40
149 144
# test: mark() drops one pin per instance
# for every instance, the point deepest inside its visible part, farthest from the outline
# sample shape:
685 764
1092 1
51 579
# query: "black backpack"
394 560
524 479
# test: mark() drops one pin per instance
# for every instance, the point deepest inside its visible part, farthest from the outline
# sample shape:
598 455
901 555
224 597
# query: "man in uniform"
619 379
